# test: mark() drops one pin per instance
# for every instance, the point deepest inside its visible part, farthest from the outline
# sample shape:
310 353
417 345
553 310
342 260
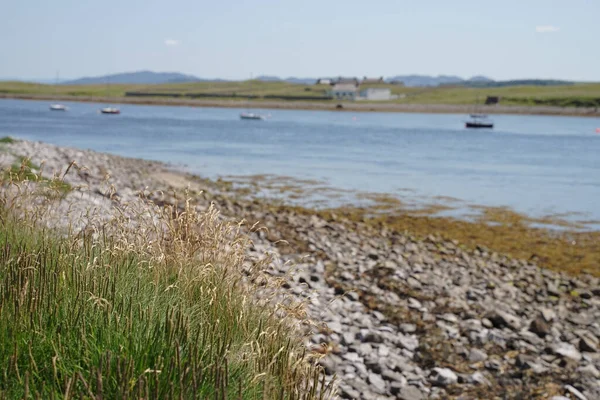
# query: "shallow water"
538 165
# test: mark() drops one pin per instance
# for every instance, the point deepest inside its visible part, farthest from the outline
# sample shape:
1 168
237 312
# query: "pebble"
443 377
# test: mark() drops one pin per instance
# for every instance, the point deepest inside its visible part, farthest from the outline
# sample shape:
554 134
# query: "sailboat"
250 115
479 120
109 109
57 106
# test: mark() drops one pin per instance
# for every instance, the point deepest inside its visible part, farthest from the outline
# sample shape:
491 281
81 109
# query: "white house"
343 91
376 94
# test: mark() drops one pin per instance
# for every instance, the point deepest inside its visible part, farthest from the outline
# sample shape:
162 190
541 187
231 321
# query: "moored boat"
110 110
479 121
58 107
251 116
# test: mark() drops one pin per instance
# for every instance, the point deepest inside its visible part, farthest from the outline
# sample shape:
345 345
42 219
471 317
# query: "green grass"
25 170
7 140
120 315
579 94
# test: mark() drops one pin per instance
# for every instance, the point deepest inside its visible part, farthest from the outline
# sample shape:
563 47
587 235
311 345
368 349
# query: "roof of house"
341 79
372 80
344 87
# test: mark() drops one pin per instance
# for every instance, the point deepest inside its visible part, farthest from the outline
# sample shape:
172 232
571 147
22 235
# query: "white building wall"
376 94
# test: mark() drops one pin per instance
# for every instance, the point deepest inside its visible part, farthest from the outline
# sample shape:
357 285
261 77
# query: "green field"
579 94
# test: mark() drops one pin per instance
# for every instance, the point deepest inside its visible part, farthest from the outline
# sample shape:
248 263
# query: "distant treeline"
520 82
223 96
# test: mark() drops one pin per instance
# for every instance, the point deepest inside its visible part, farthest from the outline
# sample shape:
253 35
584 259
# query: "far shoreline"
321 106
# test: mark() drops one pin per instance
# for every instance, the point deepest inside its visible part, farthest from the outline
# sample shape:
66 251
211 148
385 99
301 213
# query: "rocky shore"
400 317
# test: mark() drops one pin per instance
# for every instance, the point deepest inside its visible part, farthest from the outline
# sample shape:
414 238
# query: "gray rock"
408 328
347 392
587 344
377 384
493 365
477 355
393 376
589 370
411 343
410 393
501 319
414 303
567 350
548 314
443 377
478 379
575 392
353 296
540 327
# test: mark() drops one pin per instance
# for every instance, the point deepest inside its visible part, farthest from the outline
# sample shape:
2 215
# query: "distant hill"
425 80
518 82
299 81
138 77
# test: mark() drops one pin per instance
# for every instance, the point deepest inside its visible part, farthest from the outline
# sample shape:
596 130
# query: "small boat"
251 116
110 110
479 121
57 107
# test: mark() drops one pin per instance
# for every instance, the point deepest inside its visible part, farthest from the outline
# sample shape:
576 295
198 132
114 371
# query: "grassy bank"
139 307
575 95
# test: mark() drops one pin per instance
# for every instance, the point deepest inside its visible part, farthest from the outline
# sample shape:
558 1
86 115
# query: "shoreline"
320 106
407 315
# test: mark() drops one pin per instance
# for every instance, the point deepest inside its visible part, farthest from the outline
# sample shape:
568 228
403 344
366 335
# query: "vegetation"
7 140
572 95
26 171
153 303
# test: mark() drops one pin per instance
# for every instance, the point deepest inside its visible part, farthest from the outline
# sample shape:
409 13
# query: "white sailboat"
109 109
57 106
250 115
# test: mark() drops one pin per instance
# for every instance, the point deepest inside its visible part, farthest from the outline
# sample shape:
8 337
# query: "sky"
506 39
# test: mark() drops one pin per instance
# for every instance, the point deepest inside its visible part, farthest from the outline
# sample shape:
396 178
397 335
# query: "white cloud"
172 42
546 28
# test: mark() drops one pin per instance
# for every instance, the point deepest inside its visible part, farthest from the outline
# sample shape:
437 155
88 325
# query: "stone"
540 327
353 296
377 384
414 303
347 392
443 377
493 365
408 328
502 319
393 376
567 350
589 370
479 379
575 392
552 289
587 344
411 343
477 355
374 365
410 393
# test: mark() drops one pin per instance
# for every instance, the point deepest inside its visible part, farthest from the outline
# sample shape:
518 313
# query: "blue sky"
231 39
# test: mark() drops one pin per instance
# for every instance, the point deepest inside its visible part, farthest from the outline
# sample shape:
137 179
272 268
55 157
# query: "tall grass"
152 303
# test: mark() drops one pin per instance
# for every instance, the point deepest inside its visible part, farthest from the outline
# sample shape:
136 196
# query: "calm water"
534 164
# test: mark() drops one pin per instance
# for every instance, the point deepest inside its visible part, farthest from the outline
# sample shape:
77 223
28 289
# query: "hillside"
138 77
